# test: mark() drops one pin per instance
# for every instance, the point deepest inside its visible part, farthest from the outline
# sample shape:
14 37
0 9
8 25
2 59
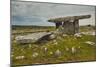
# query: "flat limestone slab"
31 38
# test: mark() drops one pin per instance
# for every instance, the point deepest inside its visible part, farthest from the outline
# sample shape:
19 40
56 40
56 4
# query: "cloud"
26 19
47 10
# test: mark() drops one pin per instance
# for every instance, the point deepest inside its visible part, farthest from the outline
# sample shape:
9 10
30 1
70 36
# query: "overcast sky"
34 13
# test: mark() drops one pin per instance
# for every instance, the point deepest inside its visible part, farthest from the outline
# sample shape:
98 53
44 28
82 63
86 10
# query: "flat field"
63 49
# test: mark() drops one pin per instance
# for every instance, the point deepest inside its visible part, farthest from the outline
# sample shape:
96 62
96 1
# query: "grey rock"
89 33
52 36
31 38
78 35
58 53
90 43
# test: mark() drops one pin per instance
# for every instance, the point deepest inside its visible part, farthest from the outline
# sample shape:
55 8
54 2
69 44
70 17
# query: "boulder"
34 37
57 53
78 35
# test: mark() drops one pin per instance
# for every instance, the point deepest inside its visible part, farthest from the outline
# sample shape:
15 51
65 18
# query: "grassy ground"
47 51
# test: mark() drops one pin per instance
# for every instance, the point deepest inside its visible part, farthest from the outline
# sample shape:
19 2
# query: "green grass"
86 52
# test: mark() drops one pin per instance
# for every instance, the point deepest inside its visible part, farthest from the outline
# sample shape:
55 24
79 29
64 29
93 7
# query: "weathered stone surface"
78 35
52 36
68 18
89 33
32 38
90 43
68 28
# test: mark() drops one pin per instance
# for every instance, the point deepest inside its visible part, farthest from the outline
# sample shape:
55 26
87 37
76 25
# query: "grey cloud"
48 10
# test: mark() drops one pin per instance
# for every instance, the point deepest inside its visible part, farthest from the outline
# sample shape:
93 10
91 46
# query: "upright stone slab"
76 26
68 27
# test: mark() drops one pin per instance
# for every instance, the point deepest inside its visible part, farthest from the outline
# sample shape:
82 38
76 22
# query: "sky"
36 13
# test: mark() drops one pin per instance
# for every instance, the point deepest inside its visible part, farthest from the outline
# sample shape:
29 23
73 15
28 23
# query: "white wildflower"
45 49
20 57
73 50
